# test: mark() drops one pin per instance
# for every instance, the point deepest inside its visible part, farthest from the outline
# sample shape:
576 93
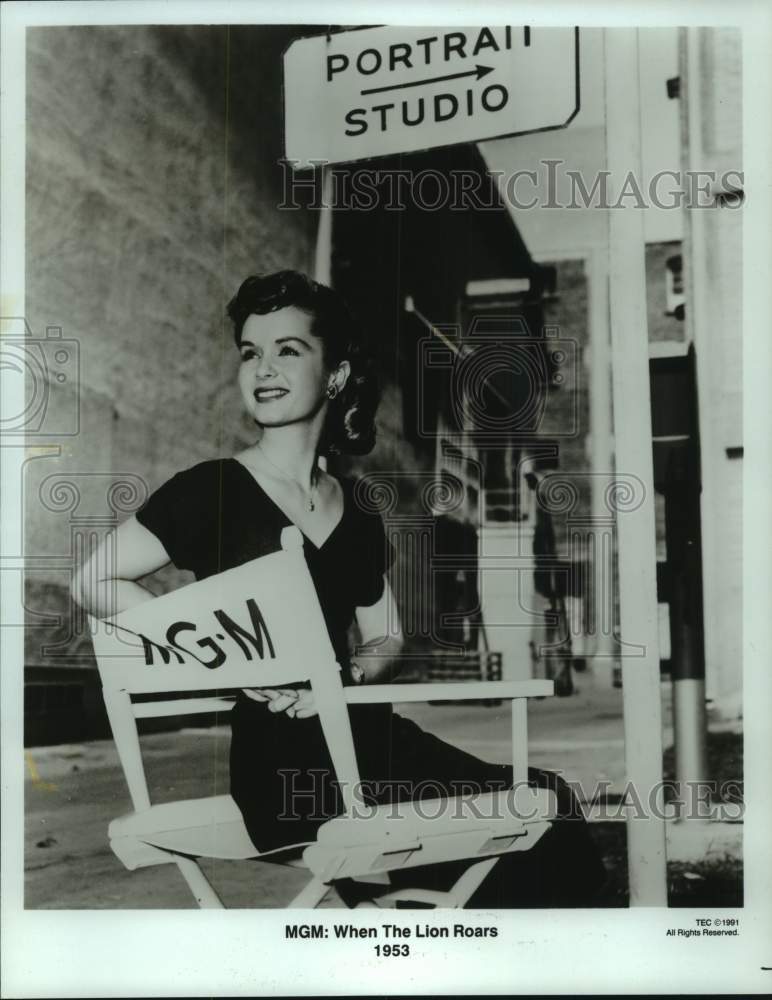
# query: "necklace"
309 495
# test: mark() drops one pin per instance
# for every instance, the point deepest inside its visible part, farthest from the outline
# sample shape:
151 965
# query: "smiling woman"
306 382
299 345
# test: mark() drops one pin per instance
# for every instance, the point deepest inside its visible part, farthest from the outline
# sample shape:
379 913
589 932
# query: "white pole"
601 453
323 251
632 429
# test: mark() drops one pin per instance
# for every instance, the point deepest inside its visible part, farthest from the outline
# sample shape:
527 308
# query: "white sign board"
377 91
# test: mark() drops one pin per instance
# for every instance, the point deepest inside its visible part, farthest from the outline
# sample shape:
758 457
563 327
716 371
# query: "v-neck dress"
215 516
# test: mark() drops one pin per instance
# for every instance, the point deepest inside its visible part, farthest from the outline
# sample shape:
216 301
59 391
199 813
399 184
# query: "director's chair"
139 654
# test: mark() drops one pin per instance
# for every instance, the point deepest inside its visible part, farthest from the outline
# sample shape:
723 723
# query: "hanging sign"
377 91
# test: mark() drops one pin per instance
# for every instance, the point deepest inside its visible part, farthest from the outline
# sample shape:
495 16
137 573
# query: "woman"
306 383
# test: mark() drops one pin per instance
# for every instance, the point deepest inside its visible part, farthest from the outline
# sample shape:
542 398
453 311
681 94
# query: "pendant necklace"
310 503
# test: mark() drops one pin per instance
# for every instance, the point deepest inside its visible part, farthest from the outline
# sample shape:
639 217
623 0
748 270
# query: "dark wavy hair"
349 428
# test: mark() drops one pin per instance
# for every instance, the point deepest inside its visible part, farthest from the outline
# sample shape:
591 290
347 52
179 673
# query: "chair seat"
211 827
408 834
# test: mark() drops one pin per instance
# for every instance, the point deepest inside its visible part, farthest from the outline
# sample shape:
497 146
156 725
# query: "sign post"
396 89
636 534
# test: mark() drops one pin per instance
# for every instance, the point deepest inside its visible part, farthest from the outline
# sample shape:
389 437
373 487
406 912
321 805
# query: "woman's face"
282 376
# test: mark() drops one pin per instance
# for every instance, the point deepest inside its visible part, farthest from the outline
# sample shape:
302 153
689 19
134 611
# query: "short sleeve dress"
215 516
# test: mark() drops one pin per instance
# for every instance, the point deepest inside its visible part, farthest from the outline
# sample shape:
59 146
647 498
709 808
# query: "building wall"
152 191
701 131
548 227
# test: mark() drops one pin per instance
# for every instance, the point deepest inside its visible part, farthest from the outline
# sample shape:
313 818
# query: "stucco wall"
152 191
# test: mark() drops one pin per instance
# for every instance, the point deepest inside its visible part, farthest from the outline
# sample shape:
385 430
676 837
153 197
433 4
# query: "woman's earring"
332 391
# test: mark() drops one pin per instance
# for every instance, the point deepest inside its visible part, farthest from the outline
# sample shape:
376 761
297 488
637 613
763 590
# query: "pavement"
73 791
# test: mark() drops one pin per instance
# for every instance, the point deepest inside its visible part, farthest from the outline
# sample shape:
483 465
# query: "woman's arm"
382 640
104 585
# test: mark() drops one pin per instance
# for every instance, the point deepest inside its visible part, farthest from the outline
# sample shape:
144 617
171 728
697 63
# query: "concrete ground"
73 791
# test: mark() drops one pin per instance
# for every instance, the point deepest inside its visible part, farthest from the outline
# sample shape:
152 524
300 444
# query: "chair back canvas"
257 625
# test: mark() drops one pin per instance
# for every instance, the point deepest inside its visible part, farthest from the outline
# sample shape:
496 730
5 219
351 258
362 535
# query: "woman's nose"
264 367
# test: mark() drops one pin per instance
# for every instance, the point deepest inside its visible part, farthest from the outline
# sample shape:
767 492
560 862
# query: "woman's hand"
304 706
297 704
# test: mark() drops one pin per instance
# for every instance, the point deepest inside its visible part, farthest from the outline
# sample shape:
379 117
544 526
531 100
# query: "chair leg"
310 896
452 899
198 884
471 880
430 896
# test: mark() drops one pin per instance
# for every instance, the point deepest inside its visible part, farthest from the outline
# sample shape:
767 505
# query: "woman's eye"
287 350
247 355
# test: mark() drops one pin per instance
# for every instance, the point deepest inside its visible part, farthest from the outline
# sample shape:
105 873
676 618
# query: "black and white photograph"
385 490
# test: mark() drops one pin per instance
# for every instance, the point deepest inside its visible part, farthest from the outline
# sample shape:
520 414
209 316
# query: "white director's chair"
260 625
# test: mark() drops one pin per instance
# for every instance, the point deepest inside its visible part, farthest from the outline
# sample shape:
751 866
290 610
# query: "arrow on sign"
478 72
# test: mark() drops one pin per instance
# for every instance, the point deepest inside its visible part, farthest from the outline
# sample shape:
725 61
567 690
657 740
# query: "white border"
79 954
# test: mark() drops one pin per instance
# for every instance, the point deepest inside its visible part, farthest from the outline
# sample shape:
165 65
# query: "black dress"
215 516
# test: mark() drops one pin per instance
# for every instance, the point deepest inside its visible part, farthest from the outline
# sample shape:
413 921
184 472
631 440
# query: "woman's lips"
269 395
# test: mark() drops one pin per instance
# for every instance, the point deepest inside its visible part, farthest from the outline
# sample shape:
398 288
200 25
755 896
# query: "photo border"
209 953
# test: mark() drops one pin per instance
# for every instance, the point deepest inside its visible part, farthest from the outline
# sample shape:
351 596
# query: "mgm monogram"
252 641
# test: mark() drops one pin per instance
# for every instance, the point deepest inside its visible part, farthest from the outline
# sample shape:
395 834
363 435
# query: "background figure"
551 637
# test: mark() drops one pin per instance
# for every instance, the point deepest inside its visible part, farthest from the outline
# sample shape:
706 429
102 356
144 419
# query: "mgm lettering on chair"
240 625
252 641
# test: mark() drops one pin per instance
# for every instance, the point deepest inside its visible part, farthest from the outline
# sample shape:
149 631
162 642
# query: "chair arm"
461 691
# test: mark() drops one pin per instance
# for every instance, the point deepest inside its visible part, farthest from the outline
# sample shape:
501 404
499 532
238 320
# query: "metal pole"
682 518
632 429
